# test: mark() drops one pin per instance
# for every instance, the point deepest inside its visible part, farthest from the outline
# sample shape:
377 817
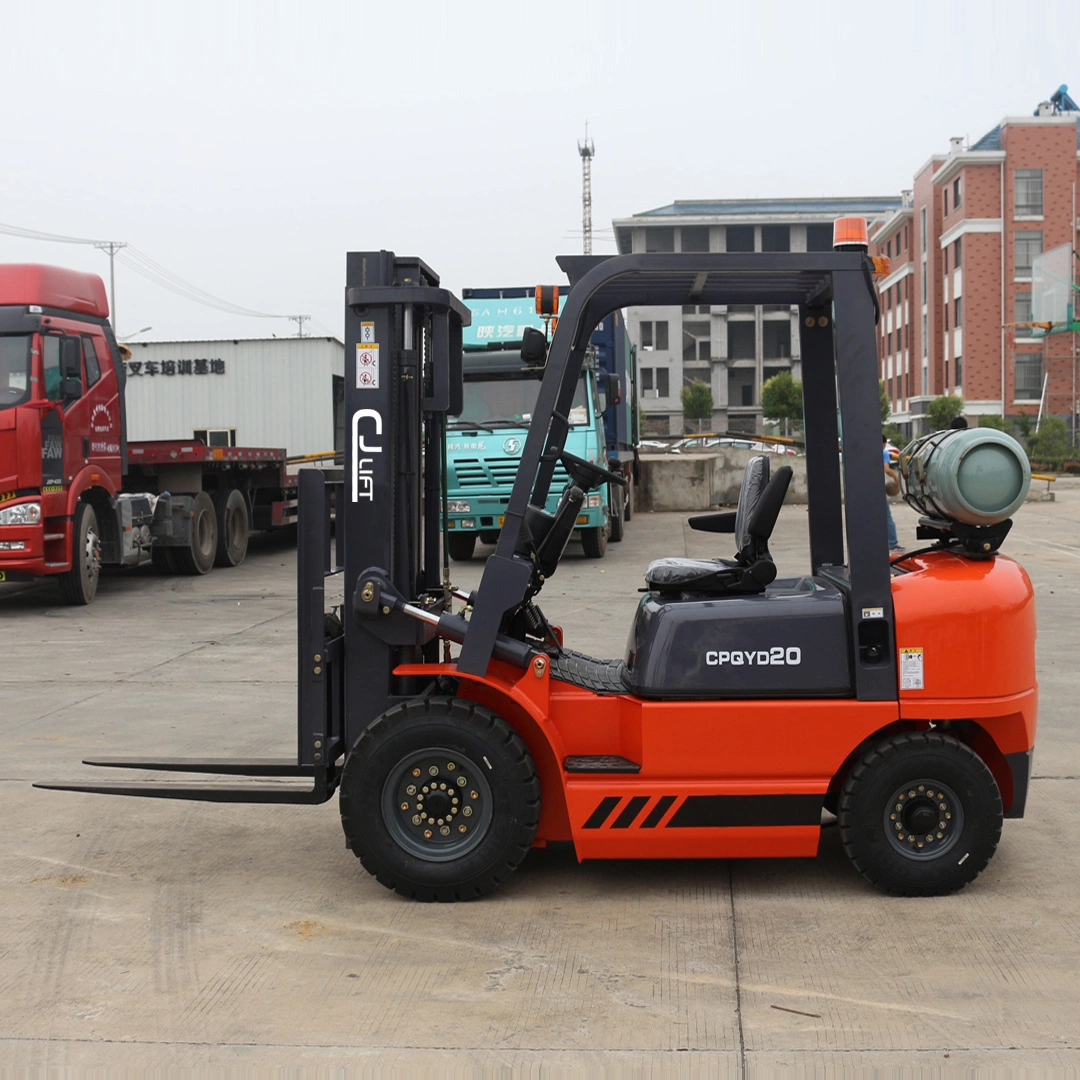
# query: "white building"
261 392
734 348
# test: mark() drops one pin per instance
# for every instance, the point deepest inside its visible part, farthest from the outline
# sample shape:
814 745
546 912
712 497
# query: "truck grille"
498 472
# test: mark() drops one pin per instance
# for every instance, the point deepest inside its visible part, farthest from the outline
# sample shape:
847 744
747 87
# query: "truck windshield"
508 401
14 369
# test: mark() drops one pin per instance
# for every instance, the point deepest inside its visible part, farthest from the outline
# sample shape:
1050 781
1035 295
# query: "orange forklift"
749 708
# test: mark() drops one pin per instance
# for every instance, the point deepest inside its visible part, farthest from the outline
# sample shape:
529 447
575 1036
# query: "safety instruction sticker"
367 333
367 367
911 669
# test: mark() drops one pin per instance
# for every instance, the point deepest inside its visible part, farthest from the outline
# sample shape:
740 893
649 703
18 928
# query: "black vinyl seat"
752 569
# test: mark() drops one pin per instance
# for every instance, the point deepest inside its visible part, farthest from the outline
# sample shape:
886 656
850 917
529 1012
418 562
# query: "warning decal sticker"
367 367
911 669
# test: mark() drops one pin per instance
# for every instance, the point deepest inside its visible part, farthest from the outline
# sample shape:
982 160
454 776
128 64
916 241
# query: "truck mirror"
71 358
533 347
614 389
71 368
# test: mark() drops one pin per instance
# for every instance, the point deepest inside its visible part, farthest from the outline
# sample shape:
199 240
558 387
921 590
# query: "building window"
922 230
216 436
956 313
888 249
946 317
956 193
925 380
819 237
655 379
647 378
956 253
925 338
741 338
924 281
1028 192
1022 312
663 388
1029 375
740 238
657 340
660 240
945 201
775 238
959 371
1026 245
741 386
695 238
945 260
694 336
776 343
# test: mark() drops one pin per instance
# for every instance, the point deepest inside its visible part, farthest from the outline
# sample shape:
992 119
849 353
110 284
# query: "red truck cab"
73 494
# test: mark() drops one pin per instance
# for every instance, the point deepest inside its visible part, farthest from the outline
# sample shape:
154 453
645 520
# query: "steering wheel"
588 475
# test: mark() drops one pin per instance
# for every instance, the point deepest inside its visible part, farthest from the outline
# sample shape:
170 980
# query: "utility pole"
586 150
299 320
112 247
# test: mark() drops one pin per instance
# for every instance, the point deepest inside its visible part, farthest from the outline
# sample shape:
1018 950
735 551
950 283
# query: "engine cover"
789 641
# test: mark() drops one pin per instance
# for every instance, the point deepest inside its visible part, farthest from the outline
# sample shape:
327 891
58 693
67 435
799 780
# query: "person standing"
892 487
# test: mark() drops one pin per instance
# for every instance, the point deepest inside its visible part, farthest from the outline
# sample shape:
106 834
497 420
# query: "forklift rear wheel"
461 545
618 498
199 558
439 799
594 541
230 508
79 584
920 815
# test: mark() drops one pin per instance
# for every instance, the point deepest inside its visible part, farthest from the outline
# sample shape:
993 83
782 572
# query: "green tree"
893 433
886 404
781 398
1051 441
697 402
998 423
943 410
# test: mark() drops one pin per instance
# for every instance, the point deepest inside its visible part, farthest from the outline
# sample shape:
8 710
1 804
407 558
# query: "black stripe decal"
658 811
633 808
602 811
726 811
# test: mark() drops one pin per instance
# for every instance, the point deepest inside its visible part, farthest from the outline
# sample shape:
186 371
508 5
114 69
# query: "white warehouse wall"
276 392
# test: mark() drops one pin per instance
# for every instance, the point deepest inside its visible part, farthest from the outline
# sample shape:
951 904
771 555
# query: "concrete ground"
149 934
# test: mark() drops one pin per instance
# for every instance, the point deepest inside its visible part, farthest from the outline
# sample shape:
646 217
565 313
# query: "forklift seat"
752 569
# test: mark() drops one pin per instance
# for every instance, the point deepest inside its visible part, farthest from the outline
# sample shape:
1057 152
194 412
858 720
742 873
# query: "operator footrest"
599 676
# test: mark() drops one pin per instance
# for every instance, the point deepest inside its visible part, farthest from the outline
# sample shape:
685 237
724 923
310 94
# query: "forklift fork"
319 690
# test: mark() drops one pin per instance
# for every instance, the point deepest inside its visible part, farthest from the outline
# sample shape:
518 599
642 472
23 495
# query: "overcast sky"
247 147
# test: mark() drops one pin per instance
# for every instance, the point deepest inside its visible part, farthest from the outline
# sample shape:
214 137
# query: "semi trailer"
75 493
892 697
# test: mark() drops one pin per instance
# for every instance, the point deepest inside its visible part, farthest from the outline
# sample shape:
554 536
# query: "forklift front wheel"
439 799
920 815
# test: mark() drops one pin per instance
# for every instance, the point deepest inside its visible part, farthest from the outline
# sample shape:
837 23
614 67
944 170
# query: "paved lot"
147 934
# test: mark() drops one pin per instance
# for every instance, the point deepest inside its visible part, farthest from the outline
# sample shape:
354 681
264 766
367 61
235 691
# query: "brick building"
733 348
962 244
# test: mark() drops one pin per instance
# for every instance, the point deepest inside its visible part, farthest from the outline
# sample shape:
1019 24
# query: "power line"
153 271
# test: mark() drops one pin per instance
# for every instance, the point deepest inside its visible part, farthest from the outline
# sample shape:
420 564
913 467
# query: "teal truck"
484 443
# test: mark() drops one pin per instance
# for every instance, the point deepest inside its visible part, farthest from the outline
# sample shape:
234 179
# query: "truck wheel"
462 545
617 529
439 799
79 584
164 559
230 509
594 541
920 815
199 558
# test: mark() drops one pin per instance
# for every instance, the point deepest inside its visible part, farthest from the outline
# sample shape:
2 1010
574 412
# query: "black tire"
499 800
199 557
164 559
594 541
462 545
79 584
233 527
948 824
617 498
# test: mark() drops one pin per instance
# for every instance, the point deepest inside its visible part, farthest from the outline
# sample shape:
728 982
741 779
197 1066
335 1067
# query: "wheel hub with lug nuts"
923 819
437 804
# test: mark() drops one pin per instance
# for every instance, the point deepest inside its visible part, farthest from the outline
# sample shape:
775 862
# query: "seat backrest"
755 478
761 519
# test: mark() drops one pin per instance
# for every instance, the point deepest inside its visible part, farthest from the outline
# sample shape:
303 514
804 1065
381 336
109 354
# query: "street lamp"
128 337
